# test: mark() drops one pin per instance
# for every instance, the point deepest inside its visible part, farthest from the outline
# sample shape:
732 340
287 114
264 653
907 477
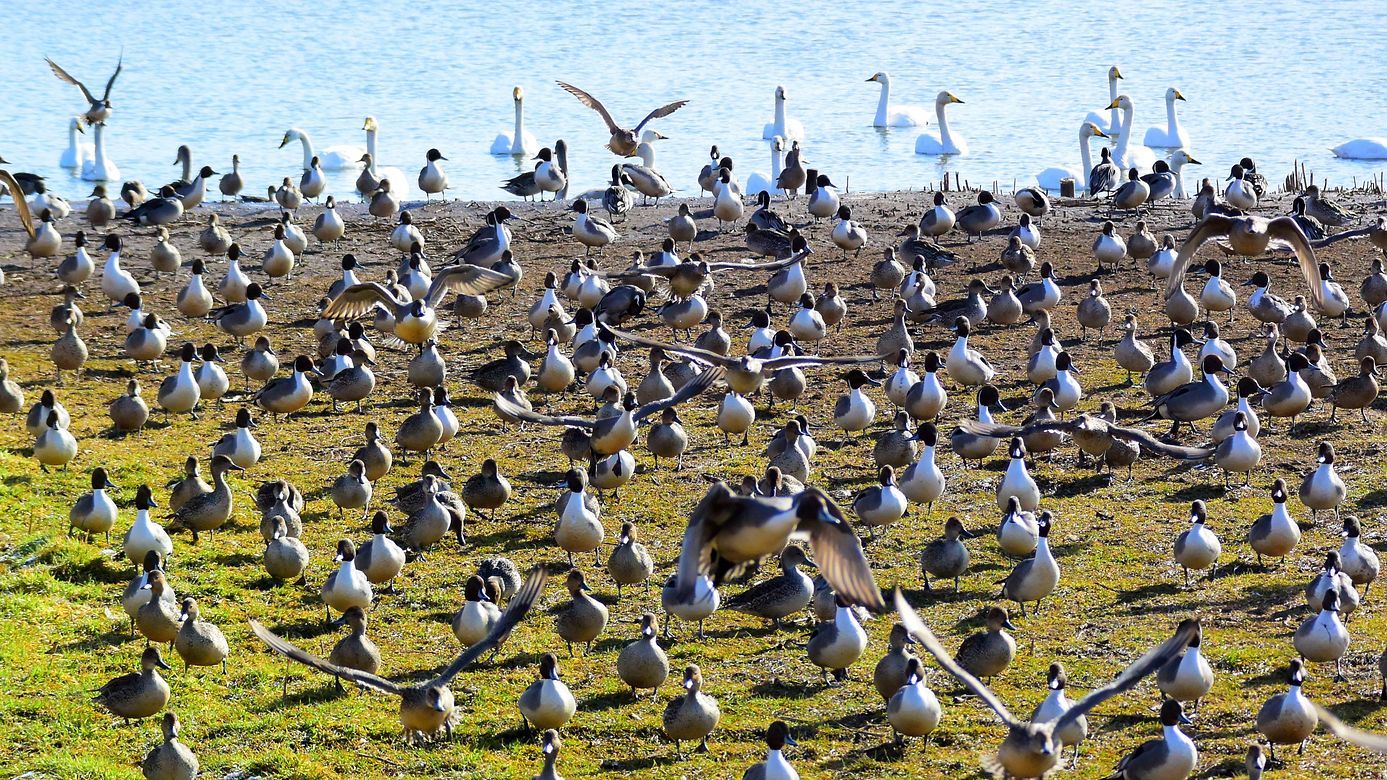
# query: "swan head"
78 125
652 135
1172 94
1114 74
1123 102
517 94
370 124
292 134
778 143
945 98
1089 130
880 77
780 93
1180 159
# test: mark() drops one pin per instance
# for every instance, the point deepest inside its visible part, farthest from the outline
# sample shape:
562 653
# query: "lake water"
1277 81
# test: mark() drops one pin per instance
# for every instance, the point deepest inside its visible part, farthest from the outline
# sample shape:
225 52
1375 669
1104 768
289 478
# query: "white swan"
78 152
783 126
1050 178
759 182
1126 155
1372 148
1109 123
399 182
520 141
895 116
945 142
100 167
1172 136
1178 161
340 157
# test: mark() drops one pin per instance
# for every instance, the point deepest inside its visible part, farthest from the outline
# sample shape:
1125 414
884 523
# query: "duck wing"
287 649
701 356
509 407
924 636
592 103
802 361
21 206
1152 444
773 265
713 511
662 111
1000 431
1288 230
464 279
690 389
838 554
359 299
516 609
67 77
1374 742
120 63
1213 226
1154 659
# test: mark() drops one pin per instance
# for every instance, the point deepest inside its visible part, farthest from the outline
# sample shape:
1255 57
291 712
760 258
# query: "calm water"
1287 81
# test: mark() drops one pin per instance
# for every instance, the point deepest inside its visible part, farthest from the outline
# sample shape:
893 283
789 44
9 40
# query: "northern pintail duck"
285 556
1359 560
163 209
1356 392
290 394
584 618
1276 534
547 703
1032 748
487 490
1187 677
989 652
1323 488
965 365
207 512
94 512
1197 547
158 618
972 446
1041 295
1322 637
1332 577
137 694
630 562
736 531
1174 755
692 715
823 200
145 535
170 759
128 412
1239 453
55 446
1325 209
913 710
428 707
980 217
837 644
1194 401
136 595
946 557
199 643
1288 718
1291 396
778 597
347 586
642 664
1034 578
775 767
479 613
379 558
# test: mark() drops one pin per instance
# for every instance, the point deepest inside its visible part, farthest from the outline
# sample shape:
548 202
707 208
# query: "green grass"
63 632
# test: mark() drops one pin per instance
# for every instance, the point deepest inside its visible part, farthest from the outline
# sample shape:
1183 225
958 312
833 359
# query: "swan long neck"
1112 97
779 115
517 143
371 148
1087 160
307 144
1124 135
883 101
944 137
776 163
100 145
647 154
1172 122
188 167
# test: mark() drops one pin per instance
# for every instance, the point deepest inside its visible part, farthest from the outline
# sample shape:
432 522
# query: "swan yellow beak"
1098 131
1117 74
954 98
1114 104
1191 161
872 78
517 93
1178 96
282 144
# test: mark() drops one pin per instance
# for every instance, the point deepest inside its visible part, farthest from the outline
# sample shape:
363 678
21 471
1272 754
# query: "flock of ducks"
738 528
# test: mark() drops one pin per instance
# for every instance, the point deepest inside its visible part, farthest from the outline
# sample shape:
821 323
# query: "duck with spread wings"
624 141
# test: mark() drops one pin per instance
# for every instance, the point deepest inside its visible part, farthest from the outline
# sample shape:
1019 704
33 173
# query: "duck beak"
966 534
789 740
1008 625
1185 719
164 664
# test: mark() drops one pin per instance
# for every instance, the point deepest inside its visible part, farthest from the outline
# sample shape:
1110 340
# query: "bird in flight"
624 141
98 110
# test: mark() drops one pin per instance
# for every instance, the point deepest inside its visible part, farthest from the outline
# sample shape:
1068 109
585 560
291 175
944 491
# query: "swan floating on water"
1108 124
340 157
1127 155
100 167
895 116
78 151
399 182
1050 178
783 126
759 182
945 142
519 141
1371 148
1172 136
